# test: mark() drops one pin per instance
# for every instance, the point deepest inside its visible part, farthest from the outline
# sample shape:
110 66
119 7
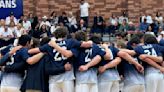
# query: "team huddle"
79 64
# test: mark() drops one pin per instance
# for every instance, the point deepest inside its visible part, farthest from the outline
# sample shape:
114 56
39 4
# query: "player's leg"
54 87
82 87
151 82
94 88
115 86
68 86
104 86
141 88
134 88
161 83
10 89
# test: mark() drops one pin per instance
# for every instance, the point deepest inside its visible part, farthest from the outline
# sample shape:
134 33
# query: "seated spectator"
143 26
64 19
12 27
82 26
6 36
26 24
54 18
131 27
161 36
150 30
45 22
19 31
109 28
44 32
124 26
35 32
98 26
159 18
155 27
72 22
11 18
123 17
21 19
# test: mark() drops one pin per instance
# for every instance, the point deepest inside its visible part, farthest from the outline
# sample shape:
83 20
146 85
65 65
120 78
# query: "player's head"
61 33
25 40
44 41
36 43
121 44
150 39
135 40
80 36
96 38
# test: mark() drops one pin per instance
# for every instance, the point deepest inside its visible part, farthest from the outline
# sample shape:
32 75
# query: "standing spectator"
159 18
31 18
113 19
143 16
98 26
149 19
84 11
54 18
26 24
11 18
124 26
123 17
72 22
143 26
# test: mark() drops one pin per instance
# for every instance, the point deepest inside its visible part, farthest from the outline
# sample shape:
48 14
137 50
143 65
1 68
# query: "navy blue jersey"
149 49
55 57
114 52
86 55
6 49
18 63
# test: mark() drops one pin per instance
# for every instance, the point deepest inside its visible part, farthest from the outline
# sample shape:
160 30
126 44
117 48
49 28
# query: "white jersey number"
58 56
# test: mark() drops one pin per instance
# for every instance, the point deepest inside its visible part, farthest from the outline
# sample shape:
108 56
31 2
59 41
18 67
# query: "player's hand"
83 68
104 45
140 68
13 50
101 69
52 43
68 66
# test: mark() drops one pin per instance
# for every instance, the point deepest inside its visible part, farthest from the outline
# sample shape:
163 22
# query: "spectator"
124 26
98 26
35 22
149 19
142 18
143 26
64 19
113 19
54 18
72 22
31 18
35 32
45 22
159 18
82 26
131 26
150 30
161 36
11 18
21 19
84 11
19 31
53 28
26 24
123 17
44 32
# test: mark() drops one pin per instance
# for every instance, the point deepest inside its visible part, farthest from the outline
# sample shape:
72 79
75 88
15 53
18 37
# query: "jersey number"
58 56
150 52
88 56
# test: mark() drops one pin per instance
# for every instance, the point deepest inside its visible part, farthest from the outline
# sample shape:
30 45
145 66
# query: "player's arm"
34 51
130 52
108 54
34 59
93 62
158 59
131 60
64 52
111 64
152 63
86 44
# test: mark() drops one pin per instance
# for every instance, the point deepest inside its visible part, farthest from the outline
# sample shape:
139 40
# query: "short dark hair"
44 41
80 36
135 39
61 33
150 39
24 39
96 38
